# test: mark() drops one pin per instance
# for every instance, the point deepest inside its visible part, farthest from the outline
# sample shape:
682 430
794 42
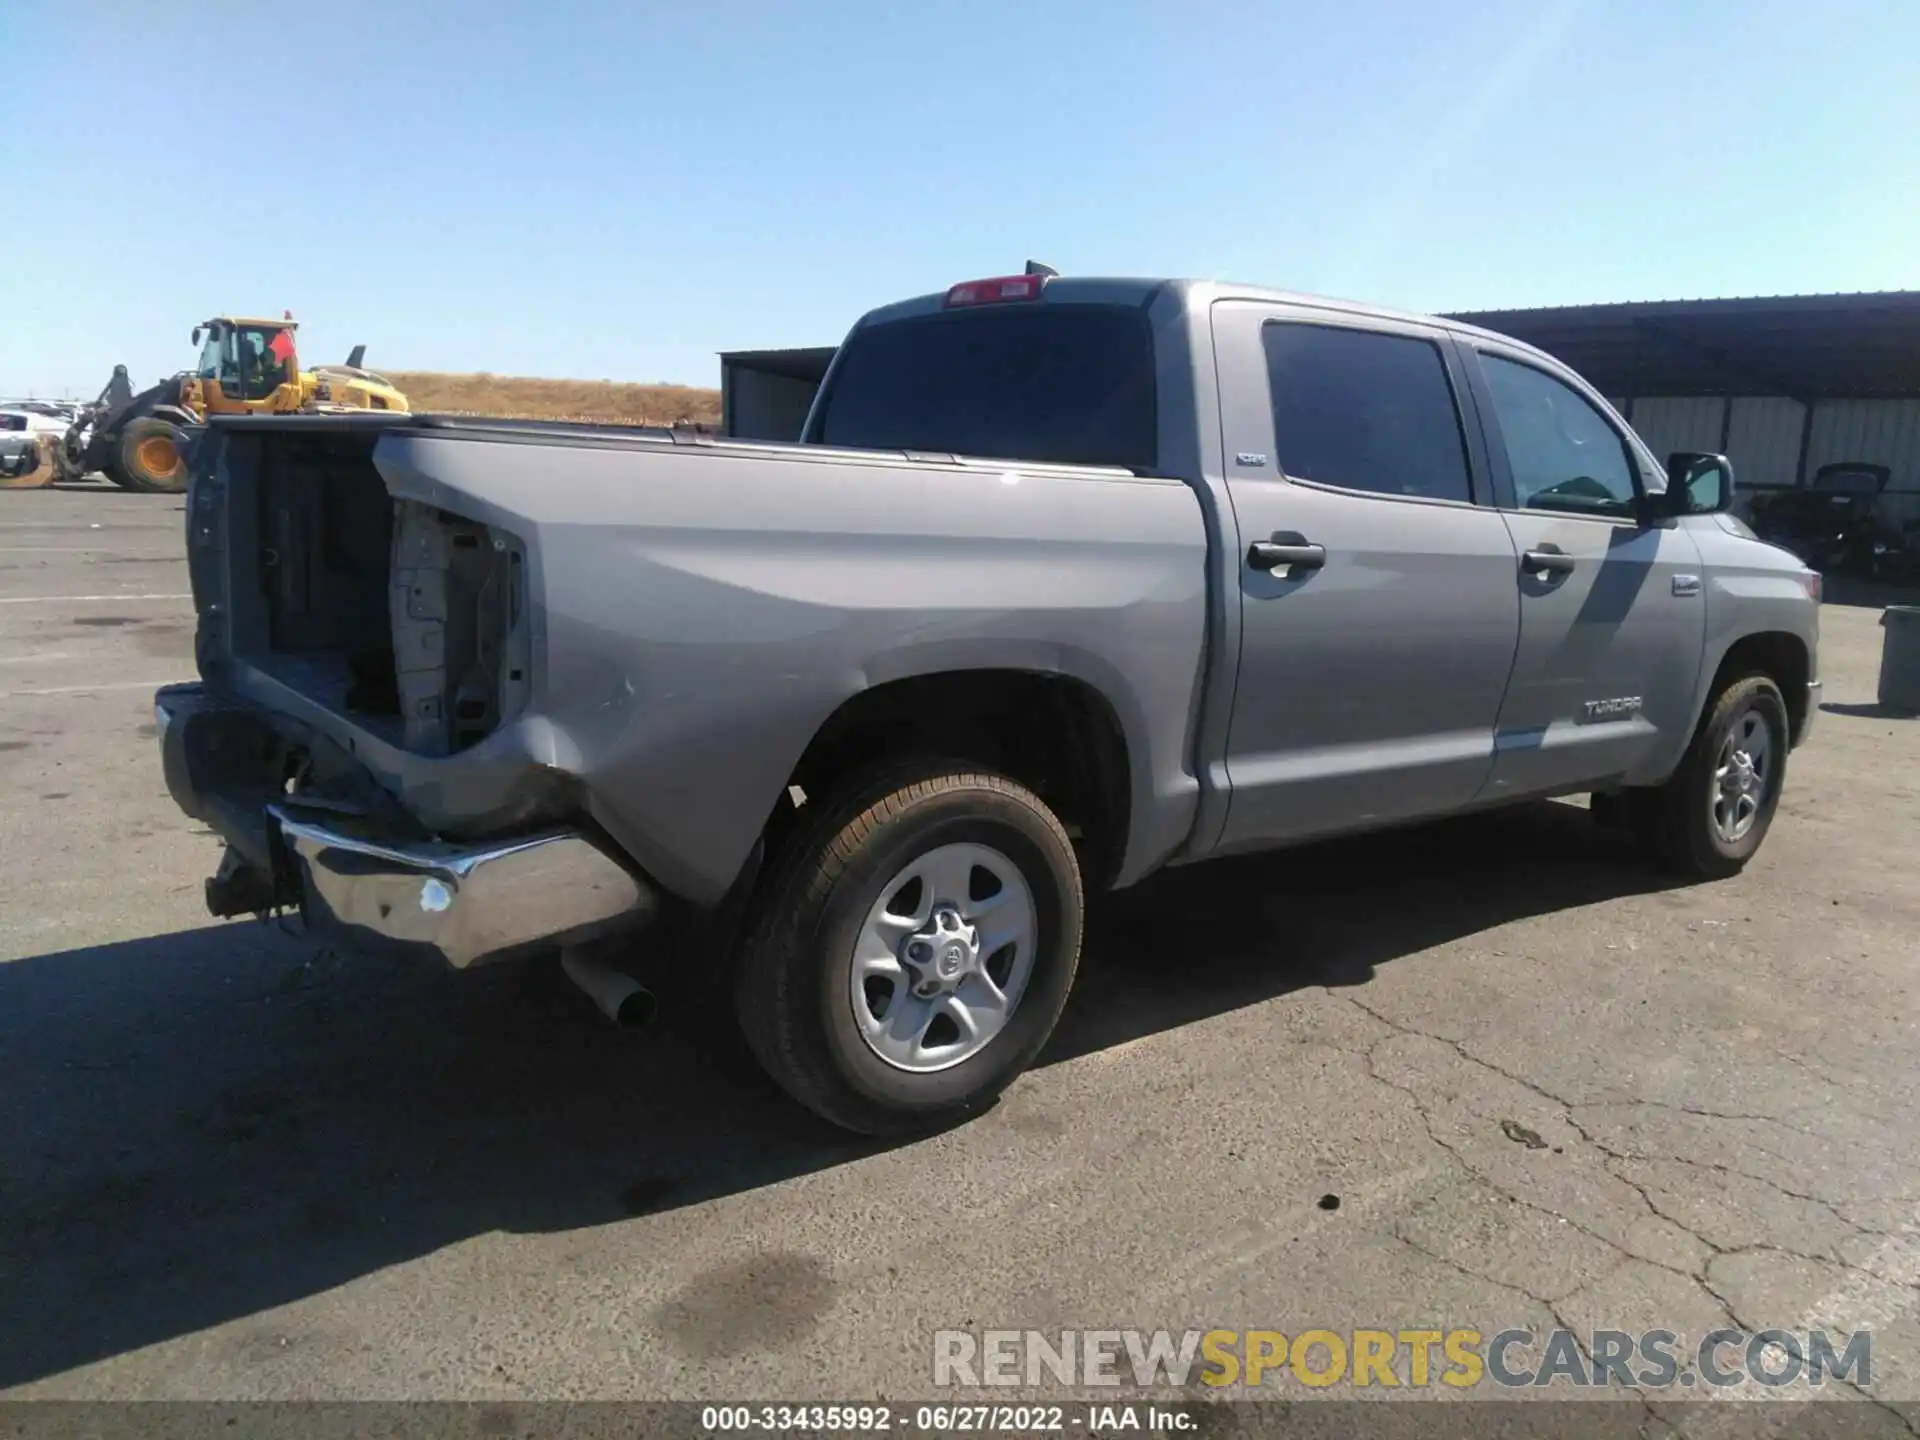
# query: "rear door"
1378 606
1612 608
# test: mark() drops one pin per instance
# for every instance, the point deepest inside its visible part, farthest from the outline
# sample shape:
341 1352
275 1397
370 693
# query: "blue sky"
619 191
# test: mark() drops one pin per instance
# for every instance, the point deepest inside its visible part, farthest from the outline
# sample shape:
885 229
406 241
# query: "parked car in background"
1069 580
29 431
37 416
1838 523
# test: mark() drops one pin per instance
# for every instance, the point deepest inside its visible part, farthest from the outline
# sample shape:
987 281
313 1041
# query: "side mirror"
197 333
1698 484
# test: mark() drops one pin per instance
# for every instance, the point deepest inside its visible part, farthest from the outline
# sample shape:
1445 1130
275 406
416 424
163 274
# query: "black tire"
792 982
70 469
136 454
1676 820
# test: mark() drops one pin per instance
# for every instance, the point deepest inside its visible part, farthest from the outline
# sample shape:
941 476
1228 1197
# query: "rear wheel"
1708 820
912 948
151 456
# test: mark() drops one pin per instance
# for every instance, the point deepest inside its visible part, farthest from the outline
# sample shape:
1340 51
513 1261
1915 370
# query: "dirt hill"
606 401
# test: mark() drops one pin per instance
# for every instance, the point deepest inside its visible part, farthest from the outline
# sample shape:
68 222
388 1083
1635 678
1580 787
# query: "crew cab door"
1377 600
1612 604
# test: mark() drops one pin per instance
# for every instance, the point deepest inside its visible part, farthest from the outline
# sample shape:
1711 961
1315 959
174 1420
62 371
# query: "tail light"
1816 587
1000 290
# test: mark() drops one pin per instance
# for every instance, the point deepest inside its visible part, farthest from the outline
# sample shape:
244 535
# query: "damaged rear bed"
366 658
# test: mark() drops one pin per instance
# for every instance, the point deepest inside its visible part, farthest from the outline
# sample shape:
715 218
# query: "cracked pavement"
1546 1088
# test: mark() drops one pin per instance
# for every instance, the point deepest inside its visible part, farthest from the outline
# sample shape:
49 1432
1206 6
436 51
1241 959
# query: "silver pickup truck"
1069 580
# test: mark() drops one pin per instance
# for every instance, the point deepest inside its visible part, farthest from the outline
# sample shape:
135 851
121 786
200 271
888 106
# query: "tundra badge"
1619 709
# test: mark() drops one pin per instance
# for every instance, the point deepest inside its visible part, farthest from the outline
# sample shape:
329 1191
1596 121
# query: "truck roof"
1126 290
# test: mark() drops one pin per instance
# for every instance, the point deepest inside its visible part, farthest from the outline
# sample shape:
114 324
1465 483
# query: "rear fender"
700 611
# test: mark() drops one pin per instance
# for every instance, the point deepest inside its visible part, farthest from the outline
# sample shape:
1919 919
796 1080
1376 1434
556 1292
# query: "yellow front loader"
247 366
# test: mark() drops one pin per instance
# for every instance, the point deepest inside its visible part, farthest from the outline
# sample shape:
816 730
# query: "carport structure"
1781 384
764 394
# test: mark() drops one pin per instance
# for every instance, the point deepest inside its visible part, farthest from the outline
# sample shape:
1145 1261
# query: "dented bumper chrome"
468 904
361 881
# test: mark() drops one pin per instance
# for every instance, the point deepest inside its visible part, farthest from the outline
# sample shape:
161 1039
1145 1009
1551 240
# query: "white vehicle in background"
28 431
36 416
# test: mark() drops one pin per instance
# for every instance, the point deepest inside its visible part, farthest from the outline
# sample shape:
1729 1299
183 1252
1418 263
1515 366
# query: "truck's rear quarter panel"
697 612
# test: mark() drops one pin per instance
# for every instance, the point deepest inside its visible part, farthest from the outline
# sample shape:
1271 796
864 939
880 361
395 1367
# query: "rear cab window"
1064 383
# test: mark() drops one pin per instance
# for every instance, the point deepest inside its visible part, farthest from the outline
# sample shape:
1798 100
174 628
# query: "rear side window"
1365 411
1071 384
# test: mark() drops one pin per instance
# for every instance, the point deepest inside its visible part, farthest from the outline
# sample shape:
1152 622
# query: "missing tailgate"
410 620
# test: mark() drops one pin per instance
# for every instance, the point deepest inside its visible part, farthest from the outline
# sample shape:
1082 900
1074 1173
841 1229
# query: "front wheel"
1709 819
151 456
912 948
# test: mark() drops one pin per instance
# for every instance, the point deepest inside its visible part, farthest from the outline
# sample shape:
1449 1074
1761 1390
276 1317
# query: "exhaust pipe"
617 995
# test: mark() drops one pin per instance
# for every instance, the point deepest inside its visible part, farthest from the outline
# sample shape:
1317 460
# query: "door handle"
1284 550
1546 562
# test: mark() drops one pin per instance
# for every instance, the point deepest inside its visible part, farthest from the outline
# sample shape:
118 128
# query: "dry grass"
603 401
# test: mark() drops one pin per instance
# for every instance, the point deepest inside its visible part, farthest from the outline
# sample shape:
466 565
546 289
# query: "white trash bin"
1900 659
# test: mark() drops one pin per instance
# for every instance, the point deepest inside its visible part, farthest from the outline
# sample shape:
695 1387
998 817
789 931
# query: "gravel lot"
231 1167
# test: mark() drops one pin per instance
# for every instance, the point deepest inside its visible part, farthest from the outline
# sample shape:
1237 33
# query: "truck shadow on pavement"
1873 710
205 1125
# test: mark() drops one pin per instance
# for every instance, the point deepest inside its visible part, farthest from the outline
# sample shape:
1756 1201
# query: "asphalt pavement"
1495 1073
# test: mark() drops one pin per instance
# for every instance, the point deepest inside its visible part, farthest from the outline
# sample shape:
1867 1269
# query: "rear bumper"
367 884
467 904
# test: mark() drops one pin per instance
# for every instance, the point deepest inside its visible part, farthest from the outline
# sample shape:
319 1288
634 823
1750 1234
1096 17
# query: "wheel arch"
1782 657
1057 734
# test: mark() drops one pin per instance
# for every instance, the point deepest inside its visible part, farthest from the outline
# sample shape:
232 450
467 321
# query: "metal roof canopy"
1810 347
807 364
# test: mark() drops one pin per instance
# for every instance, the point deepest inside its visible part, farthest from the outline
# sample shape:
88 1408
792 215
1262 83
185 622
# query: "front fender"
1752 589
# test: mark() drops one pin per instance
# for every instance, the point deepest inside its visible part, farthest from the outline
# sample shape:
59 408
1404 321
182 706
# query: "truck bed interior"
408 620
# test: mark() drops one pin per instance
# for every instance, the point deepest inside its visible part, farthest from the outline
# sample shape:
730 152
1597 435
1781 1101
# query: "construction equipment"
247 366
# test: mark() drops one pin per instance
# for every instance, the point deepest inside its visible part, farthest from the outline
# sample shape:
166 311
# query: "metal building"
1783 385
764 394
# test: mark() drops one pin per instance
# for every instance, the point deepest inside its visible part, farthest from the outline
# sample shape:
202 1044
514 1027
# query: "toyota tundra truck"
1068 580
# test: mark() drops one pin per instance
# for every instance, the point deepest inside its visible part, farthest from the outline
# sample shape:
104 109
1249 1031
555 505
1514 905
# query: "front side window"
1561 450
220 359
1364 411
